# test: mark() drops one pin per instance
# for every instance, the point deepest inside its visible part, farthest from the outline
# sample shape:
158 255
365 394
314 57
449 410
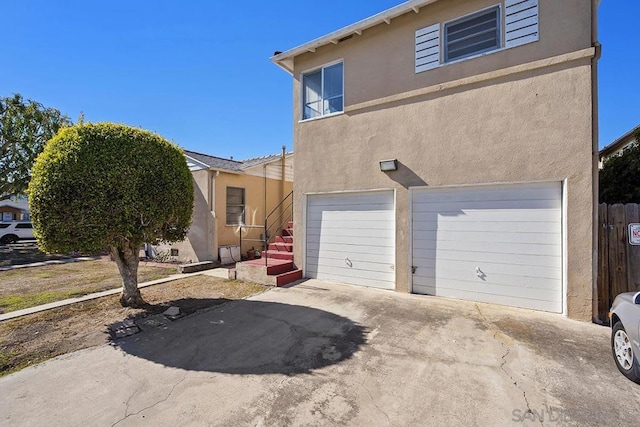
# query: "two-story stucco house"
449 147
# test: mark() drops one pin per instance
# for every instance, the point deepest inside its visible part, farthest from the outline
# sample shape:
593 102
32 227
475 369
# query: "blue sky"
198 72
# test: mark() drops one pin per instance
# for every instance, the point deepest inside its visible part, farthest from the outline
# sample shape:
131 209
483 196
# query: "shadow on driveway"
250 337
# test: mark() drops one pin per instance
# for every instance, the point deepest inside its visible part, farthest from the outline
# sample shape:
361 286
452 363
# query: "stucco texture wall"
199 244
254 202
209 230
533 125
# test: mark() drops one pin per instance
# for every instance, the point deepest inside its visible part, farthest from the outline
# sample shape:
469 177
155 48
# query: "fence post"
633 252
604 296
618 241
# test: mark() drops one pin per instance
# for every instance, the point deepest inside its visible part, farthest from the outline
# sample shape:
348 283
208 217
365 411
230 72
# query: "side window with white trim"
323 91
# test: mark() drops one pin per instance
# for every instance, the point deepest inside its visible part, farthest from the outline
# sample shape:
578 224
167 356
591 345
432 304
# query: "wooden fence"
618 261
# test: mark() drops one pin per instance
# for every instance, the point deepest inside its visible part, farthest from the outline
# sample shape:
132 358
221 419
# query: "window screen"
235 206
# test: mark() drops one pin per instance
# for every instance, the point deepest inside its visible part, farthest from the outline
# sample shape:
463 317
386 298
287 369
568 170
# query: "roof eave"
232 171
285 59
623 140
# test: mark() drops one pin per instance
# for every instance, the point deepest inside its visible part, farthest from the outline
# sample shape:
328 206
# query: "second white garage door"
350 238
498 244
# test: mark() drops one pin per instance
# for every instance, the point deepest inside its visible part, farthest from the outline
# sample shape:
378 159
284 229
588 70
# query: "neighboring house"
618 146
230 194
15 209
448 148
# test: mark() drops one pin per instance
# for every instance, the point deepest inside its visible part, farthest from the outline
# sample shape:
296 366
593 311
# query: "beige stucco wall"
208 229
254 202
200 242
381 62
534 125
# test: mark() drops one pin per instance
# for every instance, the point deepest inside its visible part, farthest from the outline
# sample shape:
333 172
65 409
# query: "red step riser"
282 247
280 255
287 232
284 239
286 278
290 224
274 270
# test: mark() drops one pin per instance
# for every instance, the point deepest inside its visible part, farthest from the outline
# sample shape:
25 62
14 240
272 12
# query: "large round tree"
110 187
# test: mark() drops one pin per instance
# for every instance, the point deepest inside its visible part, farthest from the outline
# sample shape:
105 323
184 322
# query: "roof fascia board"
197 162
234 172
207 167
285 59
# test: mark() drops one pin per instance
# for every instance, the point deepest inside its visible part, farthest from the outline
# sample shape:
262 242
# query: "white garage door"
498 244
350 238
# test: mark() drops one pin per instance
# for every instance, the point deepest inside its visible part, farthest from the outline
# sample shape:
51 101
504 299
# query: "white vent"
521 22
428 48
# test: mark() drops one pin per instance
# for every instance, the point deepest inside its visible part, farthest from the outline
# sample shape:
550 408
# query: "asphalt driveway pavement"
327 354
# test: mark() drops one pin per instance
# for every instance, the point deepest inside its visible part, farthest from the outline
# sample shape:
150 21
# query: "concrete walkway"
324 354
69 301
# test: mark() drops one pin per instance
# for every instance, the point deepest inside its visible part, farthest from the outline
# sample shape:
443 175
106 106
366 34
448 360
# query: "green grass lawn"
29 287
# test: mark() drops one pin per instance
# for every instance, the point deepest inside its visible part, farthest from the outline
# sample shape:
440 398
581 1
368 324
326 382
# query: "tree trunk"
127 260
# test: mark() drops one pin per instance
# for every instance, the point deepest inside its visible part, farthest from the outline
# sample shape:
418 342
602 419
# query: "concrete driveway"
328 354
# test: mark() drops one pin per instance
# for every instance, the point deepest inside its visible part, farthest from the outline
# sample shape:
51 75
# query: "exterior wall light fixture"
389 165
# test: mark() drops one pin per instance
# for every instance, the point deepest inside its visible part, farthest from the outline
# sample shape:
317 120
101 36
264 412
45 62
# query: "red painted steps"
286 278
279 269
279 255
273 266
284 247
284 239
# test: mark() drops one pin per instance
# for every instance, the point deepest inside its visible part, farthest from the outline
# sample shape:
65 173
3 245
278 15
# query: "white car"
625 334
11 232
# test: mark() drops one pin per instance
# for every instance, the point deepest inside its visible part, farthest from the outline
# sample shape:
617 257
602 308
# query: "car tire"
622 349
8 239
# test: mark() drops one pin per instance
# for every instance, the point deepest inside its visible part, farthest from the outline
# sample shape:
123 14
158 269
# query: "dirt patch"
38 337
28 287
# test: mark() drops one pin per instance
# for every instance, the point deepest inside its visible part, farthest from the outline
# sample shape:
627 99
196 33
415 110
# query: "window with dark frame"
235 206
472 35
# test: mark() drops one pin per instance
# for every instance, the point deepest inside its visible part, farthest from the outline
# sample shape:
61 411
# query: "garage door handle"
348 262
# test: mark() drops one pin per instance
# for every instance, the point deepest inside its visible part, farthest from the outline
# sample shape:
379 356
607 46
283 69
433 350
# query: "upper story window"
483 31
323 91
472 35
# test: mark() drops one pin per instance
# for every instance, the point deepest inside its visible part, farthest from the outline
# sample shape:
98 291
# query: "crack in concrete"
150 406
376 405
491 326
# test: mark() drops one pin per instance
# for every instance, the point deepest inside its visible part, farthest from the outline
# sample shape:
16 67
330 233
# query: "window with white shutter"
477 33
428 48
521 22
472 35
